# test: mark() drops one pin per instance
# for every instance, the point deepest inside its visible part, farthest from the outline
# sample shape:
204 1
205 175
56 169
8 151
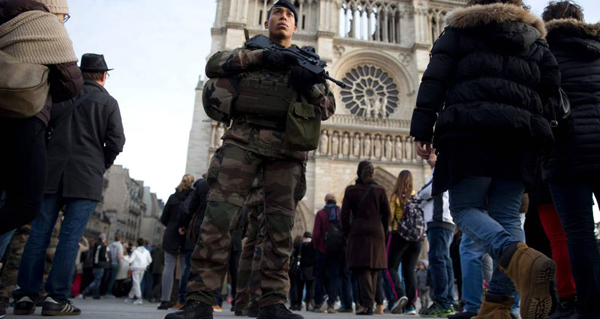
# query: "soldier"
259 139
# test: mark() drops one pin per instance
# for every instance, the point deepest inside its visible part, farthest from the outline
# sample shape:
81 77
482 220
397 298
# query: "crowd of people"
507 117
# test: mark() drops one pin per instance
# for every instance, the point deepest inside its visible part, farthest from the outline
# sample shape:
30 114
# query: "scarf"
333 211
37 37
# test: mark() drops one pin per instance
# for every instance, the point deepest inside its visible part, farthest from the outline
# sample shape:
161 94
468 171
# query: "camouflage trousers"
248 287
231 173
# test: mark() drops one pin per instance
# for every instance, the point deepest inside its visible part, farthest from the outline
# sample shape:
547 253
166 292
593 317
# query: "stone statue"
409 149
345 145
323 143
356 145
399 154
218 134
335 143
378 146
388 153
367 146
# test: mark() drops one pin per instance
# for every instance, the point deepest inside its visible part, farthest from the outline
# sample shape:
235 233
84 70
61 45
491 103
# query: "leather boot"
379 310
495 307
530 272
192 310
277 311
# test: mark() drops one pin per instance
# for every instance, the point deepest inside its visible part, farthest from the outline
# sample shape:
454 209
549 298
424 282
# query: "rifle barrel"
339 83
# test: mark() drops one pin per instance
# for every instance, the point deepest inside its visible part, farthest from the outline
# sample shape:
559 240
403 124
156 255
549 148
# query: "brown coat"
366 227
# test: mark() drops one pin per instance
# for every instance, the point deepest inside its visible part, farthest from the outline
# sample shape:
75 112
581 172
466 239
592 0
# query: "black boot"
253 310
278 311
192 310
365 311
565 309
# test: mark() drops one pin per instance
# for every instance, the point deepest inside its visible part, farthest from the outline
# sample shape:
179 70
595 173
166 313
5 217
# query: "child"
422 283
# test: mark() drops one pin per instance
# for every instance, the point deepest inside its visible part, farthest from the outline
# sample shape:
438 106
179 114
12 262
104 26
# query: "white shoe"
138 302
399 305
129 300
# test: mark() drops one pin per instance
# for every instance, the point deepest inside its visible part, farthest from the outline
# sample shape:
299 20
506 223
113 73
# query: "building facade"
379 49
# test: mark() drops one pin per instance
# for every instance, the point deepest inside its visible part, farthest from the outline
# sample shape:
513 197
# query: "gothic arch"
303 221
385 179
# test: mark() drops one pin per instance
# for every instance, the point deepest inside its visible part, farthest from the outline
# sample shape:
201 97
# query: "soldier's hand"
278 60
301 79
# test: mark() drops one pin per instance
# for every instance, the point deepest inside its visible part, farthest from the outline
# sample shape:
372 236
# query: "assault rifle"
305 57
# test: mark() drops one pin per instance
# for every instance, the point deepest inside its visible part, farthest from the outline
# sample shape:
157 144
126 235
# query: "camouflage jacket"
263 141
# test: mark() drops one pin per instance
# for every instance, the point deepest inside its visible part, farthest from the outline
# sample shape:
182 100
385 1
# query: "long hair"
562 10
186 183
404 186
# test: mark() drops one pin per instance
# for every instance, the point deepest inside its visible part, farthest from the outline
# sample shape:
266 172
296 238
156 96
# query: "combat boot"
530 272
495 307
192 310
277 311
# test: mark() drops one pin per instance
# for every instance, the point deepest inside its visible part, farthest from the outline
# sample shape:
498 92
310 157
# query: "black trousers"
22 171
367 280
408 253
300 290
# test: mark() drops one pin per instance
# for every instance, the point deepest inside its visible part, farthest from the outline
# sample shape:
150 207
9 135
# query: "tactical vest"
264 98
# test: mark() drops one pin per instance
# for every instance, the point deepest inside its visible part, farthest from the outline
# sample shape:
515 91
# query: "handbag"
24 87
561 110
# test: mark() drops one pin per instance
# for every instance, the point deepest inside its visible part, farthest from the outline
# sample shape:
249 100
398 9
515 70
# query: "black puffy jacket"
173 241
576 153
485 90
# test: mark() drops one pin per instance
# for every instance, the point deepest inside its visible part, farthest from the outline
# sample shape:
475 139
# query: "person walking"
440 230
85 137
139 259
174 238
490 75
101 264
329 249
258 140
573 165
116 253
365 219
402 247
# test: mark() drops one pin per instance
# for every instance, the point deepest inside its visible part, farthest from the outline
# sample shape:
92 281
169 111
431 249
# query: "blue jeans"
324 263
573 201
94 287
496 231
440 265
31 270
345 284
114 270
185 276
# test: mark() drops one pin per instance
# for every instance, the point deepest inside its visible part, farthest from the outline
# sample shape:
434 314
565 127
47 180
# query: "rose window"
370 92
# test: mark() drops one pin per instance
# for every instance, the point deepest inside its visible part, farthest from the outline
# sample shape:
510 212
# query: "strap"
59 119
365 196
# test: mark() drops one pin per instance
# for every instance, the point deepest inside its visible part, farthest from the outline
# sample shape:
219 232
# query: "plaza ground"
117 308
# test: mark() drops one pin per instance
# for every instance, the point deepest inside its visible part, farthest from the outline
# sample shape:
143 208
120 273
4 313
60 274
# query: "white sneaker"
129 300
138 302
399 305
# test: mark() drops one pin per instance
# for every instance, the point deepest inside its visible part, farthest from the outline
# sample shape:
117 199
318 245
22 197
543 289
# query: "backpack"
24 87
334 237
412 225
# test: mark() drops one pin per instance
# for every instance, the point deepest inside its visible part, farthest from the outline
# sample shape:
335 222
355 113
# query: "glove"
301 79
278 60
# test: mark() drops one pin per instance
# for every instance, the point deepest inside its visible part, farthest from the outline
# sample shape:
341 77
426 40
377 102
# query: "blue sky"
158 50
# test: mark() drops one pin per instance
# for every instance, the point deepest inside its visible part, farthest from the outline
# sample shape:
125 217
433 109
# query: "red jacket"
320 230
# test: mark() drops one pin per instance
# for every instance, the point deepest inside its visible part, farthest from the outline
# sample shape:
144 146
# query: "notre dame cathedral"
380 49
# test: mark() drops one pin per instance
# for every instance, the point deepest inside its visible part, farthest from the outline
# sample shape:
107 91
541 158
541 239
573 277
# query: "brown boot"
530 272
495 307
379 310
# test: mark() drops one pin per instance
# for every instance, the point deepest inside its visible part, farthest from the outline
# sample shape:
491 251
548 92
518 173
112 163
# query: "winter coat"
140 259
320 229
436 209
100 256
193 213
83 143
490 77
173 242
308 259
158 261
65 78
576 152
365 226
421 276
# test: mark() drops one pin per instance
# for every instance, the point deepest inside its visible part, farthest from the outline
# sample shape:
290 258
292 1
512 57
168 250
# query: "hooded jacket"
436 208
576 153
139 259
490 75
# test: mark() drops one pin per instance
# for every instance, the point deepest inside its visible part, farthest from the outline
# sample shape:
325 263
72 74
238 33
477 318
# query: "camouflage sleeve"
228 63
321 96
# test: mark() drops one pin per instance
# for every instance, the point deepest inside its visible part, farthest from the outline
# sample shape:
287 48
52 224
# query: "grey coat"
83 143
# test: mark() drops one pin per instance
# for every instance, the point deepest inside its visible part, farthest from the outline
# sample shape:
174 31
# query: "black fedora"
91 62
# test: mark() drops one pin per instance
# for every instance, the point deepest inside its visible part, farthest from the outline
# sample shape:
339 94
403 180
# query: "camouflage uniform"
247 149
248 289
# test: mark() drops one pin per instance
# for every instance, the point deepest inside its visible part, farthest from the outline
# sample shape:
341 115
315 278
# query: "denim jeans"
324 263
573 201
31 271
345 284
440 265
114 270
94 287
496 231
185 275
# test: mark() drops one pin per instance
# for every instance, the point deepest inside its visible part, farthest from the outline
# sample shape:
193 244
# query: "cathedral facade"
379 49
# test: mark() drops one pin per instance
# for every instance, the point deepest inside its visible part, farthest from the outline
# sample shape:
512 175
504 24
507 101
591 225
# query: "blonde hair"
404 186
186 183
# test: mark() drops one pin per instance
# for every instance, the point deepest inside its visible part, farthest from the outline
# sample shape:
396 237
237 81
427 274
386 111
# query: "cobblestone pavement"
117 308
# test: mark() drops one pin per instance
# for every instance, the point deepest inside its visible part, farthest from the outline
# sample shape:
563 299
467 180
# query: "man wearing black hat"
257 144
85 135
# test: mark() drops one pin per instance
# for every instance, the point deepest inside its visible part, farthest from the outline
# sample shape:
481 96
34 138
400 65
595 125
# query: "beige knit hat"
56 6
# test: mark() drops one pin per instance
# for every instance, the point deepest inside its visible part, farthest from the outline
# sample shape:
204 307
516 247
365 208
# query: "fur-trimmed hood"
574 27
496 13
